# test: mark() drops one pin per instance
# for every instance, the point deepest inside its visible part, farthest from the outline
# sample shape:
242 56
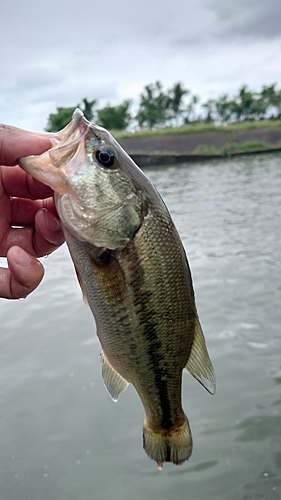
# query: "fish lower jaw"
168 445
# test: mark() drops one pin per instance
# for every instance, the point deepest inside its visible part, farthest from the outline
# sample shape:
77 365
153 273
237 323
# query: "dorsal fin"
199 363
113 381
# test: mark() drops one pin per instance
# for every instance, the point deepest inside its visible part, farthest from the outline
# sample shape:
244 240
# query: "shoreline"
199 146
158 159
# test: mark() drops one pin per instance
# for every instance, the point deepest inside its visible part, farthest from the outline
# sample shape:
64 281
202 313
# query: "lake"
62 437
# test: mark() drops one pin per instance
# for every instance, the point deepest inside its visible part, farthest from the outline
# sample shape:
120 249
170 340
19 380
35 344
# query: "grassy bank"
229 149
199 127
160 159
195 142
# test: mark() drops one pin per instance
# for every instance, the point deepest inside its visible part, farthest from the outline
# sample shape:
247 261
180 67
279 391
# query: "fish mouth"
68 139
78 119
53 166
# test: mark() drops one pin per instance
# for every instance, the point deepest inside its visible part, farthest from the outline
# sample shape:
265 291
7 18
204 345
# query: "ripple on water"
228 215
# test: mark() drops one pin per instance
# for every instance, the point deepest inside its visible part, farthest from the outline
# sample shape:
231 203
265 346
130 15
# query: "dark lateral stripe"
148 319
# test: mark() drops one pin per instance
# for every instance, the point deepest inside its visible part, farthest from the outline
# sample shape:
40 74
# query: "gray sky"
55 53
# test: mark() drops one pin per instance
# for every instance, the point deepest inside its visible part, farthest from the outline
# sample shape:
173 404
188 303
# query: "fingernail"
53 224
22 258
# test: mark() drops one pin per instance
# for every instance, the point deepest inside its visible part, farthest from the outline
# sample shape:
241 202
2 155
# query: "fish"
134 275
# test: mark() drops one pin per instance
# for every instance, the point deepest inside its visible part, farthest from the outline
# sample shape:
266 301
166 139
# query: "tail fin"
168 445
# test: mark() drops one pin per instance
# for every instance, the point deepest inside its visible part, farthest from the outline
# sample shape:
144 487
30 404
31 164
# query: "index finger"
15 142
18 183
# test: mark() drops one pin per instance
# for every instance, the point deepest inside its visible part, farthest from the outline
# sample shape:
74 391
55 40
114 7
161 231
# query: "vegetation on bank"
177 110
230 149
198 127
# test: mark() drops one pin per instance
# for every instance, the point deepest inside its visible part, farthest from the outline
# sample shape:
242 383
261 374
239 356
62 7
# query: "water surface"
63 438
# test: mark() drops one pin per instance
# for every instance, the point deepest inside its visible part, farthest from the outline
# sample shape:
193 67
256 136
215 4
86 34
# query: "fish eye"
105 157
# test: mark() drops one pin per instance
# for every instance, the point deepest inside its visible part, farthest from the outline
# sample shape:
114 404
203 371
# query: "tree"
272 100
87 108
247 105
60 119
189 111
176 95
158 108
115 117
154 106
224 108
63 116
210 107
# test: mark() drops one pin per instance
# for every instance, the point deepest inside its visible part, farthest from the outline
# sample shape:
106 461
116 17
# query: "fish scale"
134 274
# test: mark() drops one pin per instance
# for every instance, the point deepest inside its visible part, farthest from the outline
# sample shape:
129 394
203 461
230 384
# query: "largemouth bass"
134 273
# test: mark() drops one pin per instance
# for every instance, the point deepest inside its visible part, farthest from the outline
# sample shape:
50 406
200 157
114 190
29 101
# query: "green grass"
199 127
233 148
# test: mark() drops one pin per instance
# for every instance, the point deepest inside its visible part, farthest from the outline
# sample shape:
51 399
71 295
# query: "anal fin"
199 364
113 381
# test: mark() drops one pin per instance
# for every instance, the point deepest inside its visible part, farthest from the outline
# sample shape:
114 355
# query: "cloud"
56 53
223 20
253 19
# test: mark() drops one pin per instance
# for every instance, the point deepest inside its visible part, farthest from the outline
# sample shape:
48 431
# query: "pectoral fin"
199 364
81 286
113 381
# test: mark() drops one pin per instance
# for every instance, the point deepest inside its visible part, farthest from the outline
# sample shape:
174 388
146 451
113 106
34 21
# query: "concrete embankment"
180 148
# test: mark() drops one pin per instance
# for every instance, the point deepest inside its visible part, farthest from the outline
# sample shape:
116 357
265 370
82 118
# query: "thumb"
23 275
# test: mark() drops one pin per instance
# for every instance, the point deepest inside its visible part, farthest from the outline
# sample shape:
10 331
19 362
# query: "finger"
16 182
15 142
49 233
43 239
23 275
23 211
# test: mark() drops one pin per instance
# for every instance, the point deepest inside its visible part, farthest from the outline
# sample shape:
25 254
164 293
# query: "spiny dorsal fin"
113 381
199 363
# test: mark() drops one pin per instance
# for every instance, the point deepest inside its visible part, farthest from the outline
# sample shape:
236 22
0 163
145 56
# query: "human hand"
29 204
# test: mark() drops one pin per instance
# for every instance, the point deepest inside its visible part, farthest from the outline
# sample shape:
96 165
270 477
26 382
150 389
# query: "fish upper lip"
70 136
78 123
